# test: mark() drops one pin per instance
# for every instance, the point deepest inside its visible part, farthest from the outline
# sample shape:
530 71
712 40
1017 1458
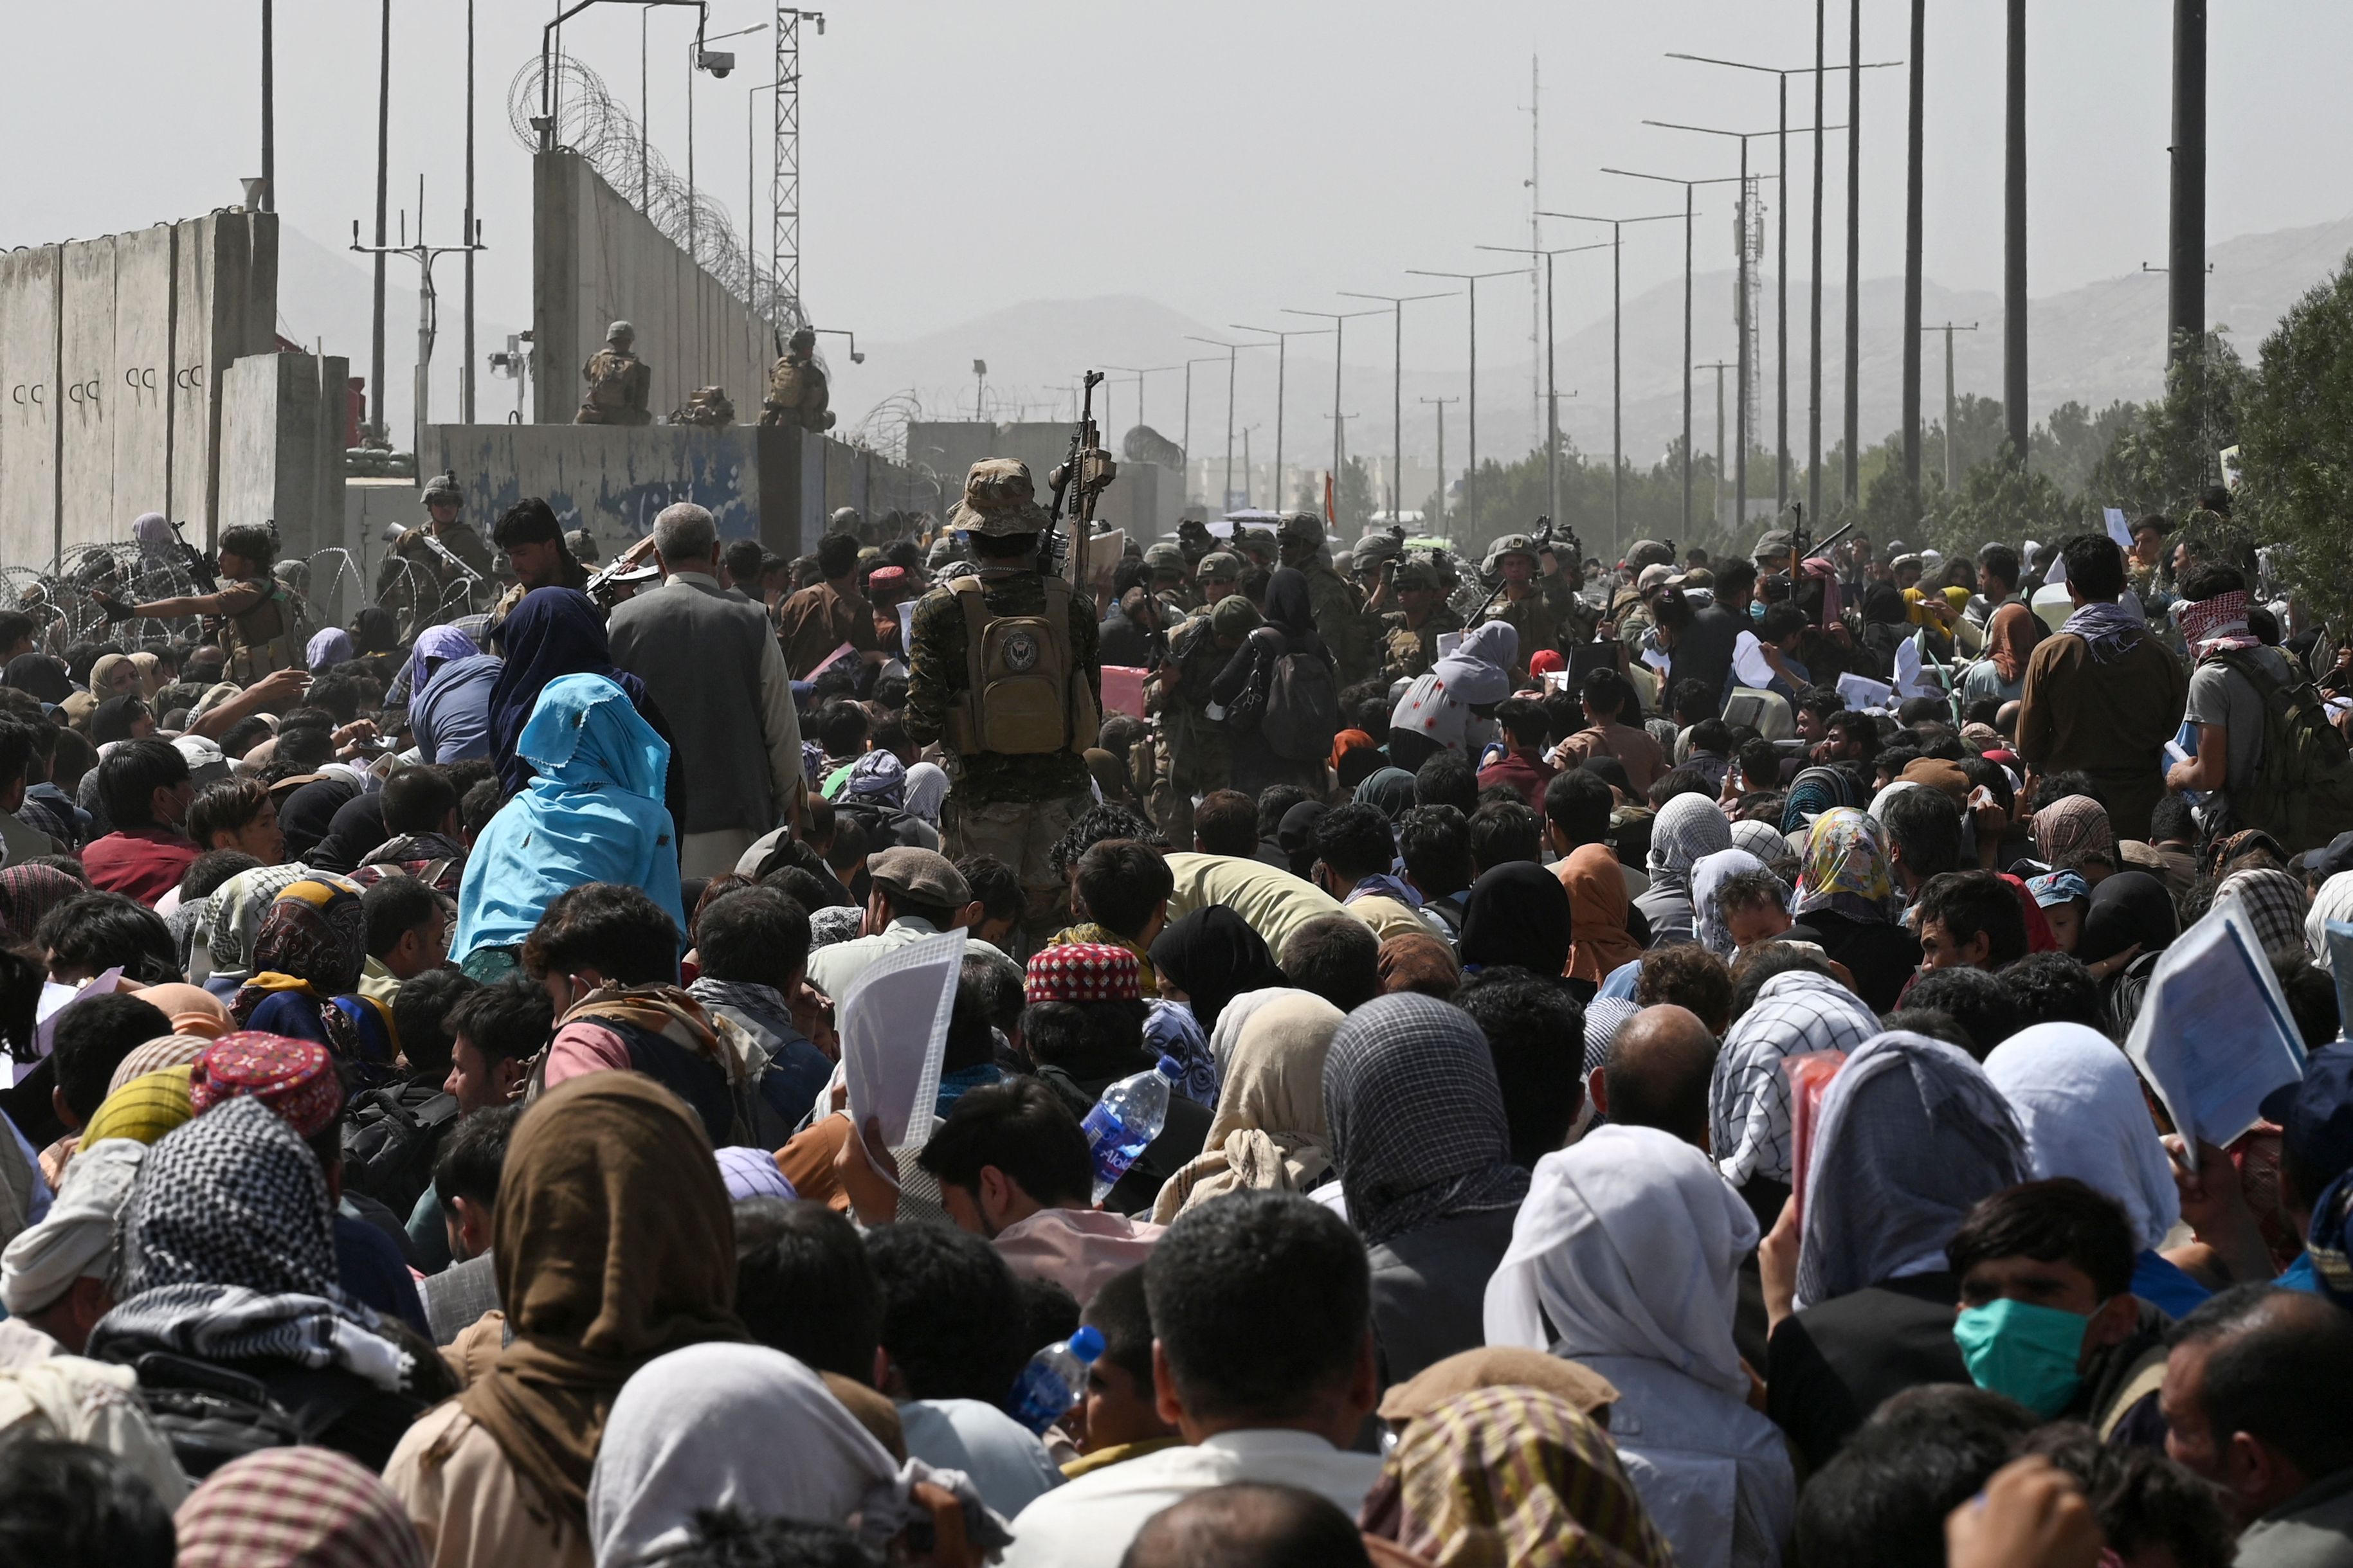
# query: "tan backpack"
1024 696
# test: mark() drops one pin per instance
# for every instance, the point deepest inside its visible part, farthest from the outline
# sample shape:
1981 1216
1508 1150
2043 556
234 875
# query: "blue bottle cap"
1087 1344
1170 1068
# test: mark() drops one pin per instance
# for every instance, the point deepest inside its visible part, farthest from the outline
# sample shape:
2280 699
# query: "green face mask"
2029 1353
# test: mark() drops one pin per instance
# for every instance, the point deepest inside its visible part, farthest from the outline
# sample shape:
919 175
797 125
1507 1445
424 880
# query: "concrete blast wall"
281 447
596 259
113 352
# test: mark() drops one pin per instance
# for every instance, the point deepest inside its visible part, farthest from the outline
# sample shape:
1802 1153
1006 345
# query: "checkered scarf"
1795 1015
2273 901
312 1506
1417 1118
2217 625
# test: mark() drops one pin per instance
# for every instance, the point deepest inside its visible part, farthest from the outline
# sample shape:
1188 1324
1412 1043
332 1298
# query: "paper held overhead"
2214 1034
893 1023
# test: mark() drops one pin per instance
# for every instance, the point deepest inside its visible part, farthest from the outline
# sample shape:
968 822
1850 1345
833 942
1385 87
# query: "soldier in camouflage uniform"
1258 547
1341 620
1412 640
797 393
618 382
1012 804
1200 751
1542 607
706 407
1166 564
416 572
1218 574
1630 606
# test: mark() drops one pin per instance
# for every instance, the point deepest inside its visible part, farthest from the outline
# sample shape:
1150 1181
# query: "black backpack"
390 1138
1303 709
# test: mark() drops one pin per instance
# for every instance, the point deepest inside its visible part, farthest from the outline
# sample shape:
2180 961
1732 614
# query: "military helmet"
620 332
845 519
1415 572
1373 547
1774 544
582 544
1509 544
1165 557
1303 526
1649 553
802 338
1259 538
443 488
1218 566
999 499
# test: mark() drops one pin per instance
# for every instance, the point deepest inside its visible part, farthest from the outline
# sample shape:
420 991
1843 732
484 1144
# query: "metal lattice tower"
784 176
1750 239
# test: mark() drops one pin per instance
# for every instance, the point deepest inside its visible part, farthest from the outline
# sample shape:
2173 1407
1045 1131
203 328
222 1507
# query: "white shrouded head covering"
77 1237
2079 1103
1628 1243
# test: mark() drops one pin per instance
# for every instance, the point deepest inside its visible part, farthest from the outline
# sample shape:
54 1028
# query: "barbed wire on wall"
591 123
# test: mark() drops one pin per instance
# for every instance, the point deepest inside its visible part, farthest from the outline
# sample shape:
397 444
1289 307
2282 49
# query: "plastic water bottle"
1129 1115
1055 1380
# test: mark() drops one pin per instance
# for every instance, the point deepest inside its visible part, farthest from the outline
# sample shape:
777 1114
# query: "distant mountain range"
2094 344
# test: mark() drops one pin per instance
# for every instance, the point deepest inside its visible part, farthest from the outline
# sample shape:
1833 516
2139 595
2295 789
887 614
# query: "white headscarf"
1795 1015
1686 828
2079 1103
1235 1013
1709 873
1879 801
1628 1244
1762 839
927 786
740 1427
1911 1135
2334 901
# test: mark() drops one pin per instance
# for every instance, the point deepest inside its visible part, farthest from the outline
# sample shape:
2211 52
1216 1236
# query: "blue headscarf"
554 632
593 814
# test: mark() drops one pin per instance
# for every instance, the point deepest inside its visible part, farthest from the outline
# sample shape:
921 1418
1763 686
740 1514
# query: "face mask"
2026 1351
1756 612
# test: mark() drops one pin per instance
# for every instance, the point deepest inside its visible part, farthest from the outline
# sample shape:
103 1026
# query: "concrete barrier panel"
281 457
611 481
193 431
138 393
28 406
86 506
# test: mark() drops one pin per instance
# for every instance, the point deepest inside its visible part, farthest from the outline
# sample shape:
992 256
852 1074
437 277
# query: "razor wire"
590 122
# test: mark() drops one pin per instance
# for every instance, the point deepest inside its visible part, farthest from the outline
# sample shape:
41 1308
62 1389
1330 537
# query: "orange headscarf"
1598 908
2009 637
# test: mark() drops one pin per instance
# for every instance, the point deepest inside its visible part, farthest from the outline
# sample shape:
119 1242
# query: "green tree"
2162 458
2294 421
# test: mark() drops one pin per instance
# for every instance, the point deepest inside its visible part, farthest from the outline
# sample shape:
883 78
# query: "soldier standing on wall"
262 626
619 382
797 393
1004 671
1354 637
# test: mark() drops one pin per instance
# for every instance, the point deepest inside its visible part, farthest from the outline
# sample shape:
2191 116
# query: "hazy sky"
1226 158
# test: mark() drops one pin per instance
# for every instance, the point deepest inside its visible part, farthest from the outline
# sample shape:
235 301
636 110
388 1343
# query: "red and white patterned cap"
1083 972
296 1078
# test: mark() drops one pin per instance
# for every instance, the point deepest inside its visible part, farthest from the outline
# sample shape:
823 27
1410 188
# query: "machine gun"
1079 482
627 567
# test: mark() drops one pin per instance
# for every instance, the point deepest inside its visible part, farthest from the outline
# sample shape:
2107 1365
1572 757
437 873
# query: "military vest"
262 639
1022 697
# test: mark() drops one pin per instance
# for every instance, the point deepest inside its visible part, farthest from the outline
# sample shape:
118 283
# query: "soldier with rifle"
619 382
1532 594
260 625
444 548
797 393
1003 670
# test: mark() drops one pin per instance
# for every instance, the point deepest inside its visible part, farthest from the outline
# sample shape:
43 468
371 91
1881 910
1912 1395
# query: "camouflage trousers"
1023 834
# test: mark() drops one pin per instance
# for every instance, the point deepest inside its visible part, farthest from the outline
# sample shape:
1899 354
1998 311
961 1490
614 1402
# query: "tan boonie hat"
1498 1367
926 876
999 497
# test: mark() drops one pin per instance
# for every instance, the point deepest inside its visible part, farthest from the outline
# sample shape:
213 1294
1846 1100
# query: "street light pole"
1281 337
1552 381
1139 372
1187 442
1617 361
1225 500
1913 136
269 101
1720 366
1441 403
466 380
1471 281
1952 404
1397 303
1339 319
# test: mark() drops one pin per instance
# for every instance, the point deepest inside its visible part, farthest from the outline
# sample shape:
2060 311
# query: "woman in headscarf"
1625 1259
2274 901
703 1427
1709 873
2071 834
294 1508
307 814
1845 904
2010 638
1269 1133
551 633
1355 757
312 948
356 830
1685 828
451 684
1516 1475
1518 916
593 812
1208 958
155 675
2082 1109
1451 708
1387 790
1290 628
1598 908
1424 1161
927 787
1909 1136
1422 964
123 718
1886 621
228 1259
375 631
616 1247
327 648
436 648
113 675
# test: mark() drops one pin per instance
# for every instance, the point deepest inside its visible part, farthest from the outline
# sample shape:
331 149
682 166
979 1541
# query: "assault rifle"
1079 482
630 567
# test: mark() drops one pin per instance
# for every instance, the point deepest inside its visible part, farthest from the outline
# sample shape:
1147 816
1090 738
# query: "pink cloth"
1078 1249
583 1046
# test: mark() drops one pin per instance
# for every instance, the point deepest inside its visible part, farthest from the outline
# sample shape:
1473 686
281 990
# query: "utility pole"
1187 442
1538 306
1952 404
2013 237
1551 376
268 108
1720 366
1397 303
1226 500
1470 471
2186 241
1853 427
1814 359
1441 403
1339 319
1617 346
1913 146
383 199
466 380
427 308
1281 352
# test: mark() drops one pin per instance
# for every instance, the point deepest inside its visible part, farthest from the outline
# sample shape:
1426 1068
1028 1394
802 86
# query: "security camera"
718 62
856 357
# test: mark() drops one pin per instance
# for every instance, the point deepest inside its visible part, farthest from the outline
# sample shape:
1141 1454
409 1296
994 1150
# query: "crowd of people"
1644 1045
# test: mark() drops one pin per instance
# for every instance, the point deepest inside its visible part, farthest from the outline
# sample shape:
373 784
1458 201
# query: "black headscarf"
1389 791
1213 956
1296 834
376 631
357 828
1290 611
553 632
112 719
1518 915
310 812
1883 604
43 674
2126 908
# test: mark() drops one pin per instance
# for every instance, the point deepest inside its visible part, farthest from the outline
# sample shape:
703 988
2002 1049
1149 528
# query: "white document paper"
893 1025
1748 661
2118 529
1657 659
1861 691
1447 642
2214 1034
906 624
1907 667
